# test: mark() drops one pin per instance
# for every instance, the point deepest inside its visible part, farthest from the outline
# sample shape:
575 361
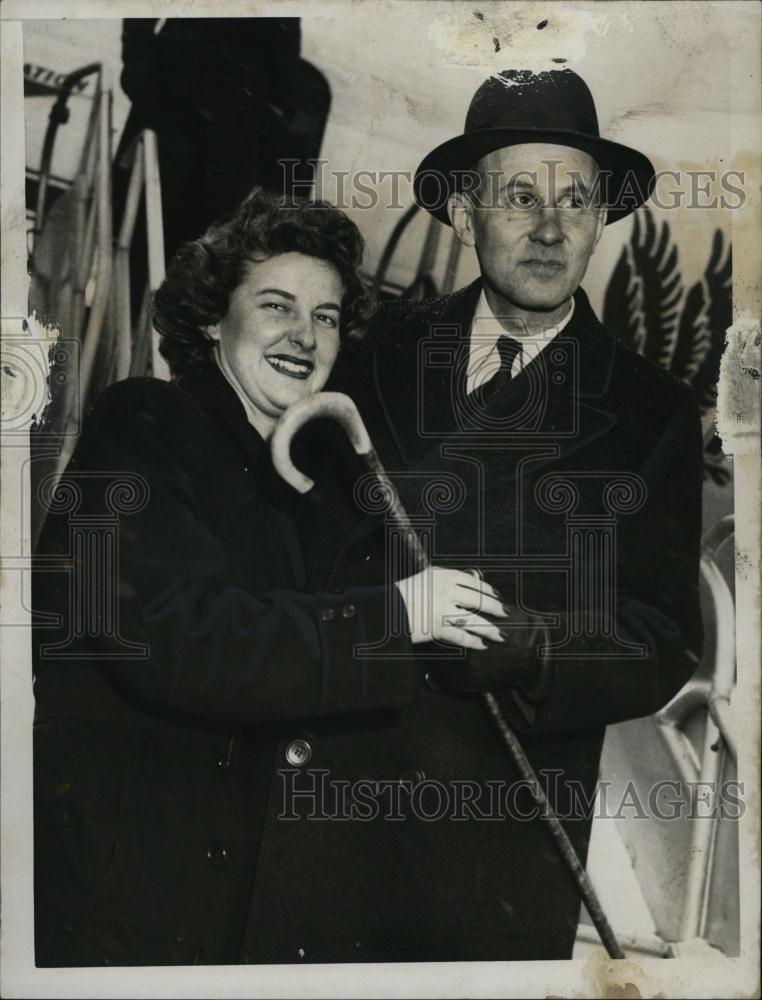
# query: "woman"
190 654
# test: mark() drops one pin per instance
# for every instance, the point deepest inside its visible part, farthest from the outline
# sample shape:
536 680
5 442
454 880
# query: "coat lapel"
422 371
214 394
212 391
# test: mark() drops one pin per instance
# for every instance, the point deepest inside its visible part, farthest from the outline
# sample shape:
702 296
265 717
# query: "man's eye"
519 200
572 201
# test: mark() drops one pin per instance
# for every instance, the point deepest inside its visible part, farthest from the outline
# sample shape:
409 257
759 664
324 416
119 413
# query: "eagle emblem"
648 307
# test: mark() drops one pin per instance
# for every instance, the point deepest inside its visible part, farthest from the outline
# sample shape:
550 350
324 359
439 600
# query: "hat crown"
521 106
552 99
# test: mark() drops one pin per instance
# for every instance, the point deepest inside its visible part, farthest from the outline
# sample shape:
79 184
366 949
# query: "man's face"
533 222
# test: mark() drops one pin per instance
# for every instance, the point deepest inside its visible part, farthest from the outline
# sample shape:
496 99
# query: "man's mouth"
548 265
286 364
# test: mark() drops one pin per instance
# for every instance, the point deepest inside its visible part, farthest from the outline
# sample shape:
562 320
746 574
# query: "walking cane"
342 409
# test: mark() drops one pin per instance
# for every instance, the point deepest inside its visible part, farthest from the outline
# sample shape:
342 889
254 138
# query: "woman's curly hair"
205 272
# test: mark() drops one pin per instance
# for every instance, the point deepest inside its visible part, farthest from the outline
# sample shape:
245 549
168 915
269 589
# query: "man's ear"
600 225
459 208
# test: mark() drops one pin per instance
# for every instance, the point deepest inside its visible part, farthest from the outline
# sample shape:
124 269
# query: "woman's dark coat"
160 721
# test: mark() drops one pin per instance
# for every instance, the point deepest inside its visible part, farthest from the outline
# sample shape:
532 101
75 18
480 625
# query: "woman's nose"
547 228
302 334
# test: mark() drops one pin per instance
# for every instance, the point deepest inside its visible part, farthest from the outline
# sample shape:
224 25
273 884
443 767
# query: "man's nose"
547 228
302 334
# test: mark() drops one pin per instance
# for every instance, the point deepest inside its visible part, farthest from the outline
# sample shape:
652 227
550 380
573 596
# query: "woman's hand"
441 604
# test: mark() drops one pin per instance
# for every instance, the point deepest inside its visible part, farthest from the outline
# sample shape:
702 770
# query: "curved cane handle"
323 404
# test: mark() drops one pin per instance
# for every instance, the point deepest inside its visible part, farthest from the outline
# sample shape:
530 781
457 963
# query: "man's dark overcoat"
171 826
591 446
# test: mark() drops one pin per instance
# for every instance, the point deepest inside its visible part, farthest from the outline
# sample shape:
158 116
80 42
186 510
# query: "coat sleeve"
657 604
211 648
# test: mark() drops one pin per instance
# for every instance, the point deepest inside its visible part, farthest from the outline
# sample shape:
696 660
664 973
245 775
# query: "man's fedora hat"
520 106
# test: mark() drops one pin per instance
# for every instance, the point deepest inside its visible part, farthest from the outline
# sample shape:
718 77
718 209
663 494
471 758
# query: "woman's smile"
290 366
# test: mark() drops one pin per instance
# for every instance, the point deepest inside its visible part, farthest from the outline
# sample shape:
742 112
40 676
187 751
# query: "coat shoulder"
142 399
145 413
657 385
404 319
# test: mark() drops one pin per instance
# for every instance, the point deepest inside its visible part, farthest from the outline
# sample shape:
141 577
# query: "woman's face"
280 336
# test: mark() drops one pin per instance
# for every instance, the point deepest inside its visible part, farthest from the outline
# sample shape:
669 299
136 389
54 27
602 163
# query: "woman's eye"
278 306
329 320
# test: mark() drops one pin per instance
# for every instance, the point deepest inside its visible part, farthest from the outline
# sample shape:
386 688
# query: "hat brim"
629 175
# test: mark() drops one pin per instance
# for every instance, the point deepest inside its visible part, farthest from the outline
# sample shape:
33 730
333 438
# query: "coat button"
298 752
414 775
327 615
216 854
225 761
431 682
348 611
361 552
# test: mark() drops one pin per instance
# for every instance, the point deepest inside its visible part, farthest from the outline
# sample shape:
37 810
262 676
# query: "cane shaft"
396 512
557 832
509 739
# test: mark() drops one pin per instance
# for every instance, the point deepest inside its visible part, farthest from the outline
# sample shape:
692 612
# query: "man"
533 447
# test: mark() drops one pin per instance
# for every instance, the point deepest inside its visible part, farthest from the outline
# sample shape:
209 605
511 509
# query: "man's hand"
442 604
513 663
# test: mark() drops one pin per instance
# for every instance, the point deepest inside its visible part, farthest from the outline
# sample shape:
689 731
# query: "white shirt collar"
486 329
